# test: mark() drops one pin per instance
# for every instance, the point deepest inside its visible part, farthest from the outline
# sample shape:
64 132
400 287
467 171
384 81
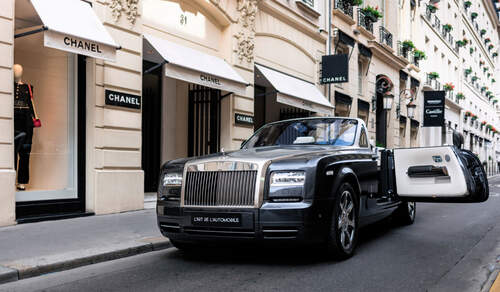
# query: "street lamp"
410 107
388 99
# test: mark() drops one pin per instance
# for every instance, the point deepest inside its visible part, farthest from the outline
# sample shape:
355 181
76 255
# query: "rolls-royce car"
311 181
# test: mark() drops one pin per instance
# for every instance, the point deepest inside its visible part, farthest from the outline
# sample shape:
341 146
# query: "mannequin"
24 113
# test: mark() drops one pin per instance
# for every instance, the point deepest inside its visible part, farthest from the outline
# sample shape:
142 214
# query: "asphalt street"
446 249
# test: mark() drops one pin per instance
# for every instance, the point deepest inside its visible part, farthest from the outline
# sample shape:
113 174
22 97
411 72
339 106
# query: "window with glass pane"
45 157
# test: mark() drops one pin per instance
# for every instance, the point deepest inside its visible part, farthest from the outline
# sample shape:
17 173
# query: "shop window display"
44 121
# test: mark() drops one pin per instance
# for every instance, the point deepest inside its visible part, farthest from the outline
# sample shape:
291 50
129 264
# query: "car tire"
406 212
343 233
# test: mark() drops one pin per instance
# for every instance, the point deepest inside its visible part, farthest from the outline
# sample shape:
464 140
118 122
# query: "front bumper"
291 223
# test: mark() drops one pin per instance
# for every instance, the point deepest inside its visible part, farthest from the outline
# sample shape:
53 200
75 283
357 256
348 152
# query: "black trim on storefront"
363 105
414 83
345 38
415 123
342 98
403 75
34 211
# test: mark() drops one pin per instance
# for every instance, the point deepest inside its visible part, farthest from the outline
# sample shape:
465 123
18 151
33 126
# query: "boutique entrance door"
204 120
151 126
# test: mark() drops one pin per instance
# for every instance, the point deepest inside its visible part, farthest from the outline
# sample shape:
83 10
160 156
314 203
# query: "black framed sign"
334 69
434 108
122 99
243 119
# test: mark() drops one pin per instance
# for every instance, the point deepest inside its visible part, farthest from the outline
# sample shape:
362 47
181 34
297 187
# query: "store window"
44 121
363 110
342 104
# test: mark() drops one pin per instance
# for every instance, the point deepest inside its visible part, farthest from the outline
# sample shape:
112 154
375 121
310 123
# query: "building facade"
461 41
160 80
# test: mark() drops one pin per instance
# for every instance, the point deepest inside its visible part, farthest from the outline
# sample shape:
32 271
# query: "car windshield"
335 132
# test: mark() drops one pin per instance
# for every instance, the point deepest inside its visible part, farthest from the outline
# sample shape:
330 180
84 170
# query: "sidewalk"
29 250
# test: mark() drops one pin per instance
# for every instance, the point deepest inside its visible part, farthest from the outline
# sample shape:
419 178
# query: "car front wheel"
343 233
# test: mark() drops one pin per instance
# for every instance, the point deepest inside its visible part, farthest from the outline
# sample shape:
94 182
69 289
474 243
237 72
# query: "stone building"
461 40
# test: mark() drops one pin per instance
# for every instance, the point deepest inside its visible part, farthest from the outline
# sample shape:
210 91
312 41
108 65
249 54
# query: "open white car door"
439 174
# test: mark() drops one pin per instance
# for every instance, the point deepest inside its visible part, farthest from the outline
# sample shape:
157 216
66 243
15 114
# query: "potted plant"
493 80
495 54
495 101
489 74
461 43
481 63
447 27
467 4
487 40
474 78
432 7
474 15
473 117
460 95
483 123
489 93
448 86
468 71
372 13
419 55
482 32
408 44
433 75
355 2
471 50
490 47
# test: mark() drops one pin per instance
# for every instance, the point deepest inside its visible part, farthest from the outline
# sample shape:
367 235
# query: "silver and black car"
308 181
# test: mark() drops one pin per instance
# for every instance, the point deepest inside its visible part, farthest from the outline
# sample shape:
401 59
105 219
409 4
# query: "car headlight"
172 180
288 178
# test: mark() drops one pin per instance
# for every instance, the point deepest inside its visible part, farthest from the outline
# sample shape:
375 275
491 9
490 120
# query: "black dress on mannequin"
23 130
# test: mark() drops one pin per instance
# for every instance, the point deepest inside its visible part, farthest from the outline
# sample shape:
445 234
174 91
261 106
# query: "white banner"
197 77
303 104
56 40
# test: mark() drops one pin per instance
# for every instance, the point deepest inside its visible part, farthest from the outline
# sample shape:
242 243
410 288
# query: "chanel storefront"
56 56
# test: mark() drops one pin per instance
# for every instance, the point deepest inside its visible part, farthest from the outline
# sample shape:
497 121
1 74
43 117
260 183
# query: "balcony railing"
344 6
437 85
385 36
364 21
428 14
309 2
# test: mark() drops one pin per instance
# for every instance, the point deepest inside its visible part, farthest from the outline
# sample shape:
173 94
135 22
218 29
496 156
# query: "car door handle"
427 171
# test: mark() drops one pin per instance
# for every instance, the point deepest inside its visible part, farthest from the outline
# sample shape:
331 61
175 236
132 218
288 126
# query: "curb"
19 270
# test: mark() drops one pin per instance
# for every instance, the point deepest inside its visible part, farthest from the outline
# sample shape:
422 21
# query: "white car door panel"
444 174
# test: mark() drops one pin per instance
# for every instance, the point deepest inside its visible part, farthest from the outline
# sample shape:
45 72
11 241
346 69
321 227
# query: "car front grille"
220 188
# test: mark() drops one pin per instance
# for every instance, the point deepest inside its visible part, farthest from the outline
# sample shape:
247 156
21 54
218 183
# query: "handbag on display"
36 121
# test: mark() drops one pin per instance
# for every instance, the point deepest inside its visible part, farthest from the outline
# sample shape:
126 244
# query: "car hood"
268 153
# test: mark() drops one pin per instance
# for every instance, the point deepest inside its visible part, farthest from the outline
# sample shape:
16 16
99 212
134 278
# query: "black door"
203 120
259 107
151 127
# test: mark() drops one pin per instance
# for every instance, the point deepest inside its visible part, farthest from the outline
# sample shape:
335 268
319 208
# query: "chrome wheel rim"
346 220
411 209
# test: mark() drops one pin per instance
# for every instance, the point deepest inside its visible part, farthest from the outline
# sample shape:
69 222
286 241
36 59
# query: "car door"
439 174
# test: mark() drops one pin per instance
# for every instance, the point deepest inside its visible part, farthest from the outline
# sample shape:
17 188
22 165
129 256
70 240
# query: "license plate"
216 219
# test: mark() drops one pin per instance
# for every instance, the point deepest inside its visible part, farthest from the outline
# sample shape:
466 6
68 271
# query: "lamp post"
410 107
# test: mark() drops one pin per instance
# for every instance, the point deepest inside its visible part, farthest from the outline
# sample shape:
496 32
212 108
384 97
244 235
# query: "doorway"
204 120
151 126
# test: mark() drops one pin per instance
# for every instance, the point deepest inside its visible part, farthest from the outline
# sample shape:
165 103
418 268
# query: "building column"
7 173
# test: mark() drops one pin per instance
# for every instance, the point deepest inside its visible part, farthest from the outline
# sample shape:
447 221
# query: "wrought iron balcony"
437 23
364 21
385 36
309 2
437 85
428 14
344 6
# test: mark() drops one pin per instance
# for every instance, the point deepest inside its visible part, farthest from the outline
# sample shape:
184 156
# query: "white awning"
296 92
193 66
73 26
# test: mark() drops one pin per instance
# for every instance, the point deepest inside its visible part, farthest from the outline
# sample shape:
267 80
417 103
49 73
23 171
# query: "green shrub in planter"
355 2
408 45
468 71
434 75
474 15
419 55
447 27
372 13
482 32
467 4
432 8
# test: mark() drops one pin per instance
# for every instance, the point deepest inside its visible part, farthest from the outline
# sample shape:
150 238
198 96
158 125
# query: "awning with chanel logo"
193 66
72 26
296 92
